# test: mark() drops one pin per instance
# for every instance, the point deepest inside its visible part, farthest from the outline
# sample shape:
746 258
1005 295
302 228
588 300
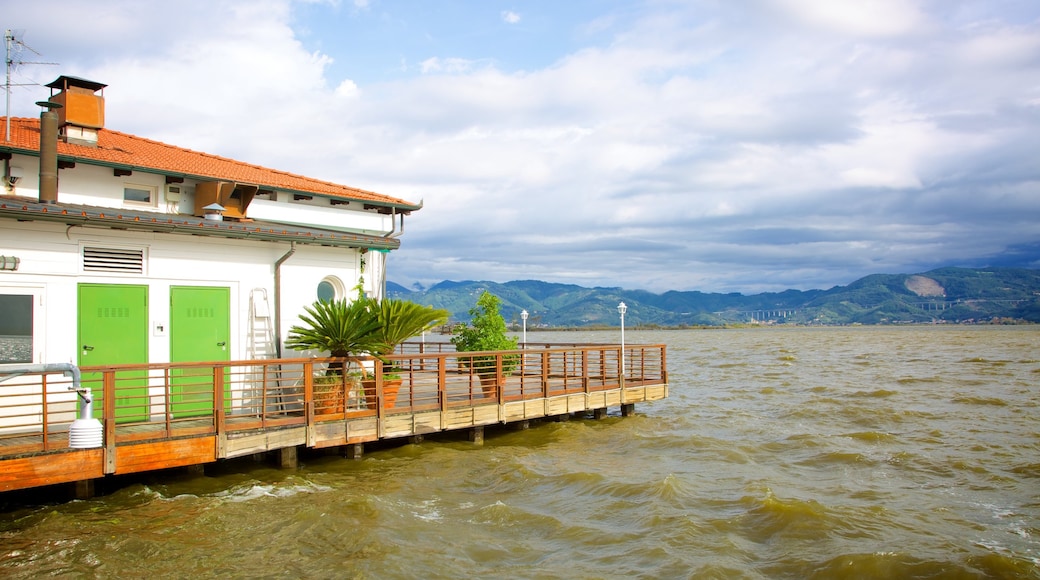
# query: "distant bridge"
944 304
758 315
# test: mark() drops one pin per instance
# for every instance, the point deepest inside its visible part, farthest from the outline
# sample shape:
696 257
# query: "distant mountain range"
960 295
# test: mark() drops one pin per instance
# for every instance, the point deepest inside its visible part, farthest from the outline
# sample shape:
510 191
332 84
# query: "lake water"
871 452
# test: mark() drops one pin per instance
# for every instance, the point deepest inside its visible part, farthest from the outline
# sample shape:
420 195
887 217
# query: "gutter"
24 209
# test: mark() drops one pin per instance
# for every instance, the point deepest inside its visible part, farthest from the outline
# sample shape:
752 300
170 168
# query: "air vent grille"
117 260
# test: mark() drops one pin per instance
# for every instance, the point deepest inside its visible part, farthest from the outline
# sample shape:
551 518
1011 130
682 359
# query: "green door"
200 328
113 330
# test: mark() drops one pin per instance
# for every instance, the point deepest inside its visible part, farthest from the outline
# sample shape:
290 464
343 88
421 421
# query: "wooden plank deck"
264 406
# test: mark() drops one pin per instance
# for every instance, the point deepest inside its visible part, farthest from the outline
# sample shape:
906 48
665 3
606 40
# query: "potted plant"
329 389
486 332
362 326
342 328
398 320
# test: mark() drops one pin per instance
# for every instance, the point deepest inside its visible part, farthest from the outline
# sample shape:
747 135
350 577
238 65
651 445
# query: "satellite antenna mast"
15 44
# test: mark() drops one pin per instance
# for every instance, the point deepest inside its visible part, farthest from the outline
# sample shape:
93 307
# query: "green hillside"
955 295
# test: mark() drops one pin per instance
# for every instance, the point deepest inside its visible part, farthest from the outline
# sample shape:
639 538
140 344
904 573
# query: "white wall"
51 259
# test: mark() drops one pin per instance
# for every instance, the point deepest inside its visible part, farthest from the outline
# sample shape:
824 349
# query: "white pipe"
68 369
85 432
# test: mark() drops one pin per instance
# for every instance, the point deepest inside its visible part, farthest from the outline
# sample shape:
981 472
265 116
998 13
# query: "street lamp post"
523 317
621 308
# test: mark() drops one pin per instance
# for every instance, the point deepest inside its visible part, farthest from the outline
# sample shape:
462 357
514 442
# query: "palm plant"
400 320
338 326
347 329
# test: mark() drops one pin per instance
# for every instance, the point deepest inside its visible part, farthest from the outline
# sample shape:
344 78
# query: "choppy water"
782 453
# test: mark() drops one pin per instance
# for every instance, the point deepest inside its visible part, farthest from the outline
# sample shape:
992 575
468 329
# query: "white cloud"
867 18
704 145
445 65
510 17
347 89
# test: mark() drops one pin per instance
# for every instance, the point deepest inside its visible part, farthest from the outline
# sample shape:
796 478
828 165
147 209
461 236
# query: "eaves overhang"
28 209
384 206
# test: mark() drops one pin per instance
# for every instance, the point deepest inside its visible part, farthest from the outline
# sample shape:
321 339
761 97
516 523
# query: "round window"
329 289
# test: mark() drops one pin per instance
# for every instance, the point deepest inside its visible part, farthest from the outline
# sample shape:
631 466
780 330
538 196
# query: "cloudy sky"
713 145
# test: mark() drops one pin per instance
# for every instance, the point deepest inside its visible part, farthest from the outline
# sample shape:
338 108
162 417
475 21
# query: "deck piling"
83 489
288 458
355 450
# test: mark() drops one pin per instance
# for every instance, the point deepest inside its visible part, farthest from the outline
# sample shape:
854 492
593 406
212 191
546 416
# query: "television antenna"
15 47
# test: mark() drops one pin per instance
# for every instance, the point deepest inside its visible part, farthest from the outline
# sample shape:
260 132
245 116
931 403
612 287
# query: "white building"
108 256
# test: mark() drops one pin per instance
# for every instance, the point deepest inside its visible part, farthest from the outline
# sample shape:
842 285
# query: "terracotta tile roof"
126 151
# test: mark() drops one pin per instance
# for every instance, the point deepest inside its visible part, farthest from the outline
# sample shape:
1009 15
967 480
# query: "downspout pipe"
278 298
394 232
48 152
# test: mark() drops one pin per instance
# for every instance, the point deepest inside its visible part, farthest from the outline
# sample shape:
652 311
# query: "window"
329 289
16 328
140 194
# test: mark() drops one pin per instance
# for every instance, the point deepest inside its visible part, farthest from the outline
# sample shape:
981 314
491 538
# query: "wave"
876 393
871 436
253 490
898 564
991 401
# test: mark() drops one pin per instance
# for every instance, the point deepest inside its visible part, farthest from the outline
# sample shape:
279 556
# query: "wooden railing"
161 401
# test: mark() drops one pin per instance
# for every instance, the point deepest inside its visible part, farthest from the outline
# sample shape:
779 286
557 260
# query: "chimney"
83 109
49 151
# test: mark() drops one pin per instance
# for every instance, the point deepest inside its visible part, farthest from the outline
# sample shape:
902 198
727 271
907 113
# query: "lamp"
622 308
523 317
9 262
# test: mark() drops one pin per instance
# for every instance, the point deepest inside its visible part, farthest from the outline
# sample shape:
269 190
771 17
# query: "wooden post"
109 413
288 458
83 489
627 410
218 400
585 370
476 435
599 414
355 450
522 425
545 373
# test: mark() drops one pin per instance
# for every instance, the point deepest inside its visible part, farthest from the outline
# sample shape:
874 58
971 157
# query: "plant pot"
391 387
328 395
489 385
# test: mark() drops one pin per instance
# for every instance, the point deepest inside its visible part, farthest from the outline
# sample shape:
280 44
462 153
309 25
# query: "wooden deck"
169 415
